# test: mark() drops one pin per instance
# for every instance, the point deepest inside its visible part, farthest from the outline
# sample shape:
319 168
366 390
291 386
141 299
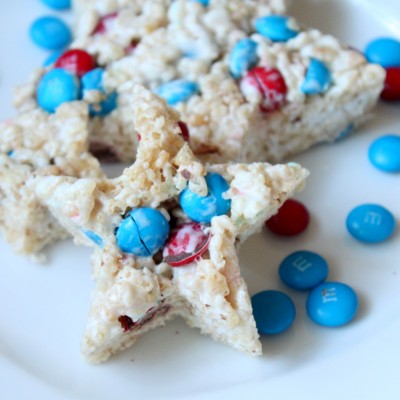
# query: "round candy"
332 304
391 88
384 153
184 130
277 28
243 57
58 4
203 209
105 23
384 51
177 91
267 86
371 223
318 78
292 219
142 232
50 33
186 243
55 88
52 58
76 61
274 312
93 80
303 270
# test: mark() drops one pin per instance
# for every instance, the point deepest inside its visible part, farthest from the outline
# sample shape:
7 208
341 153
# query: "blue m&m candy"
205 3
177 91
384 51
58 4
384 153
332 304
371 223
345 133
274 312
318 78
142 232
93 80
303 270
52 58
55 88
276 28
50 33
243 57
203 209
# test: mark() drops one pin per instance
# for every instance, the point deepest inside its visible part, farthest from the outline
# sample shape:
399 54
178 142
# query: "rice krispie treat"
251 84
47 144
166 234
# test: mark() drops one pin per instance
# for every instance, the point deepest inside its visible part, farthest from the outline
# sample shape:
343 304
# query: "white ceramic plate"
43 307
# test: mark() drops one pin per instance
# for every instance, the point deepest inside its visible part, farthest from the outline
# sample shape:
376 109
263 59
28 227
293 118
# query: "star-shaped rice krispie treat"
166 234
48 144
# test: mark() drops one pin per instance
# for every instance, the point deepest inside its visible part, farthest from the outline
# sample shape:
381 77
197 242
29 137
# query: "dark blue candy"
93 80
384 153
55 88
332 304
177 91
318 78
58 4
384 51
50 33
371 223
243 57
274 312
203 209
142 232
276 28
303 270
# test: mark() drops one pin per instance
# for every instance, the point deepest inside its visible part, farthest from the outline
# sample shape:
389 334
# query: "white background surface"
43 307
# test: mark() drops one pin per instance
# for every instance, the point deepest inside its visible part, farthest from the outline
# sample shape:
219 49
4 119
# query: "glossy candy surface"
384 51
177 91
243 57
142 232
384 153
277 28
55 88
371 223
203 209
267 86
318 78
50 33
332 304
391 89
291 219
52 58
186 243
274 312
58 4
76 61
303 270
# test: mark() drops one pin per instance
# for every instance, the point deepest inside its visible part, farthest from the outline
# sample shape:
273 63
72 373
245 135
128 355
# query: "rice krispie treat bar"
166 234
38 142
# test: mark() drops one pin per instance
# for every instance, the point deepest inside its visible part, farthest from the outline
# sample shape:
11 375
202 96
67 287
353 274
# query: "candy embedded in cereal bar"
166 233
38 142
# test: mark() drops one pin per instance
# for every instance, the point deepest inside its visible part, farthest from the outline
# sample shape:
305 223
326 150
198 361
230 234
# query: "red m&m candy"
76 61
391 89
292 219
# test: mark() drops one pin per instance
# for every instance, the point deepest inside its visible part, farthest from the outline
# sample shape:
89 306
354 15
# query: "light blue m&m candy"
276 28
205 3
332 304
93 80
177 91
303 270
243 57
52 58
50 33
318 78
384 51
55 88
58 4
384 153
142 232
274 312
203 209
371 223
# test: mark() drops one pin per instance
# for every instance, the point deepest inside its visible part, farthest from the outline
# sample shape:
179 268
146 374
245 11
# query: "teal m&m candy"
50 33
